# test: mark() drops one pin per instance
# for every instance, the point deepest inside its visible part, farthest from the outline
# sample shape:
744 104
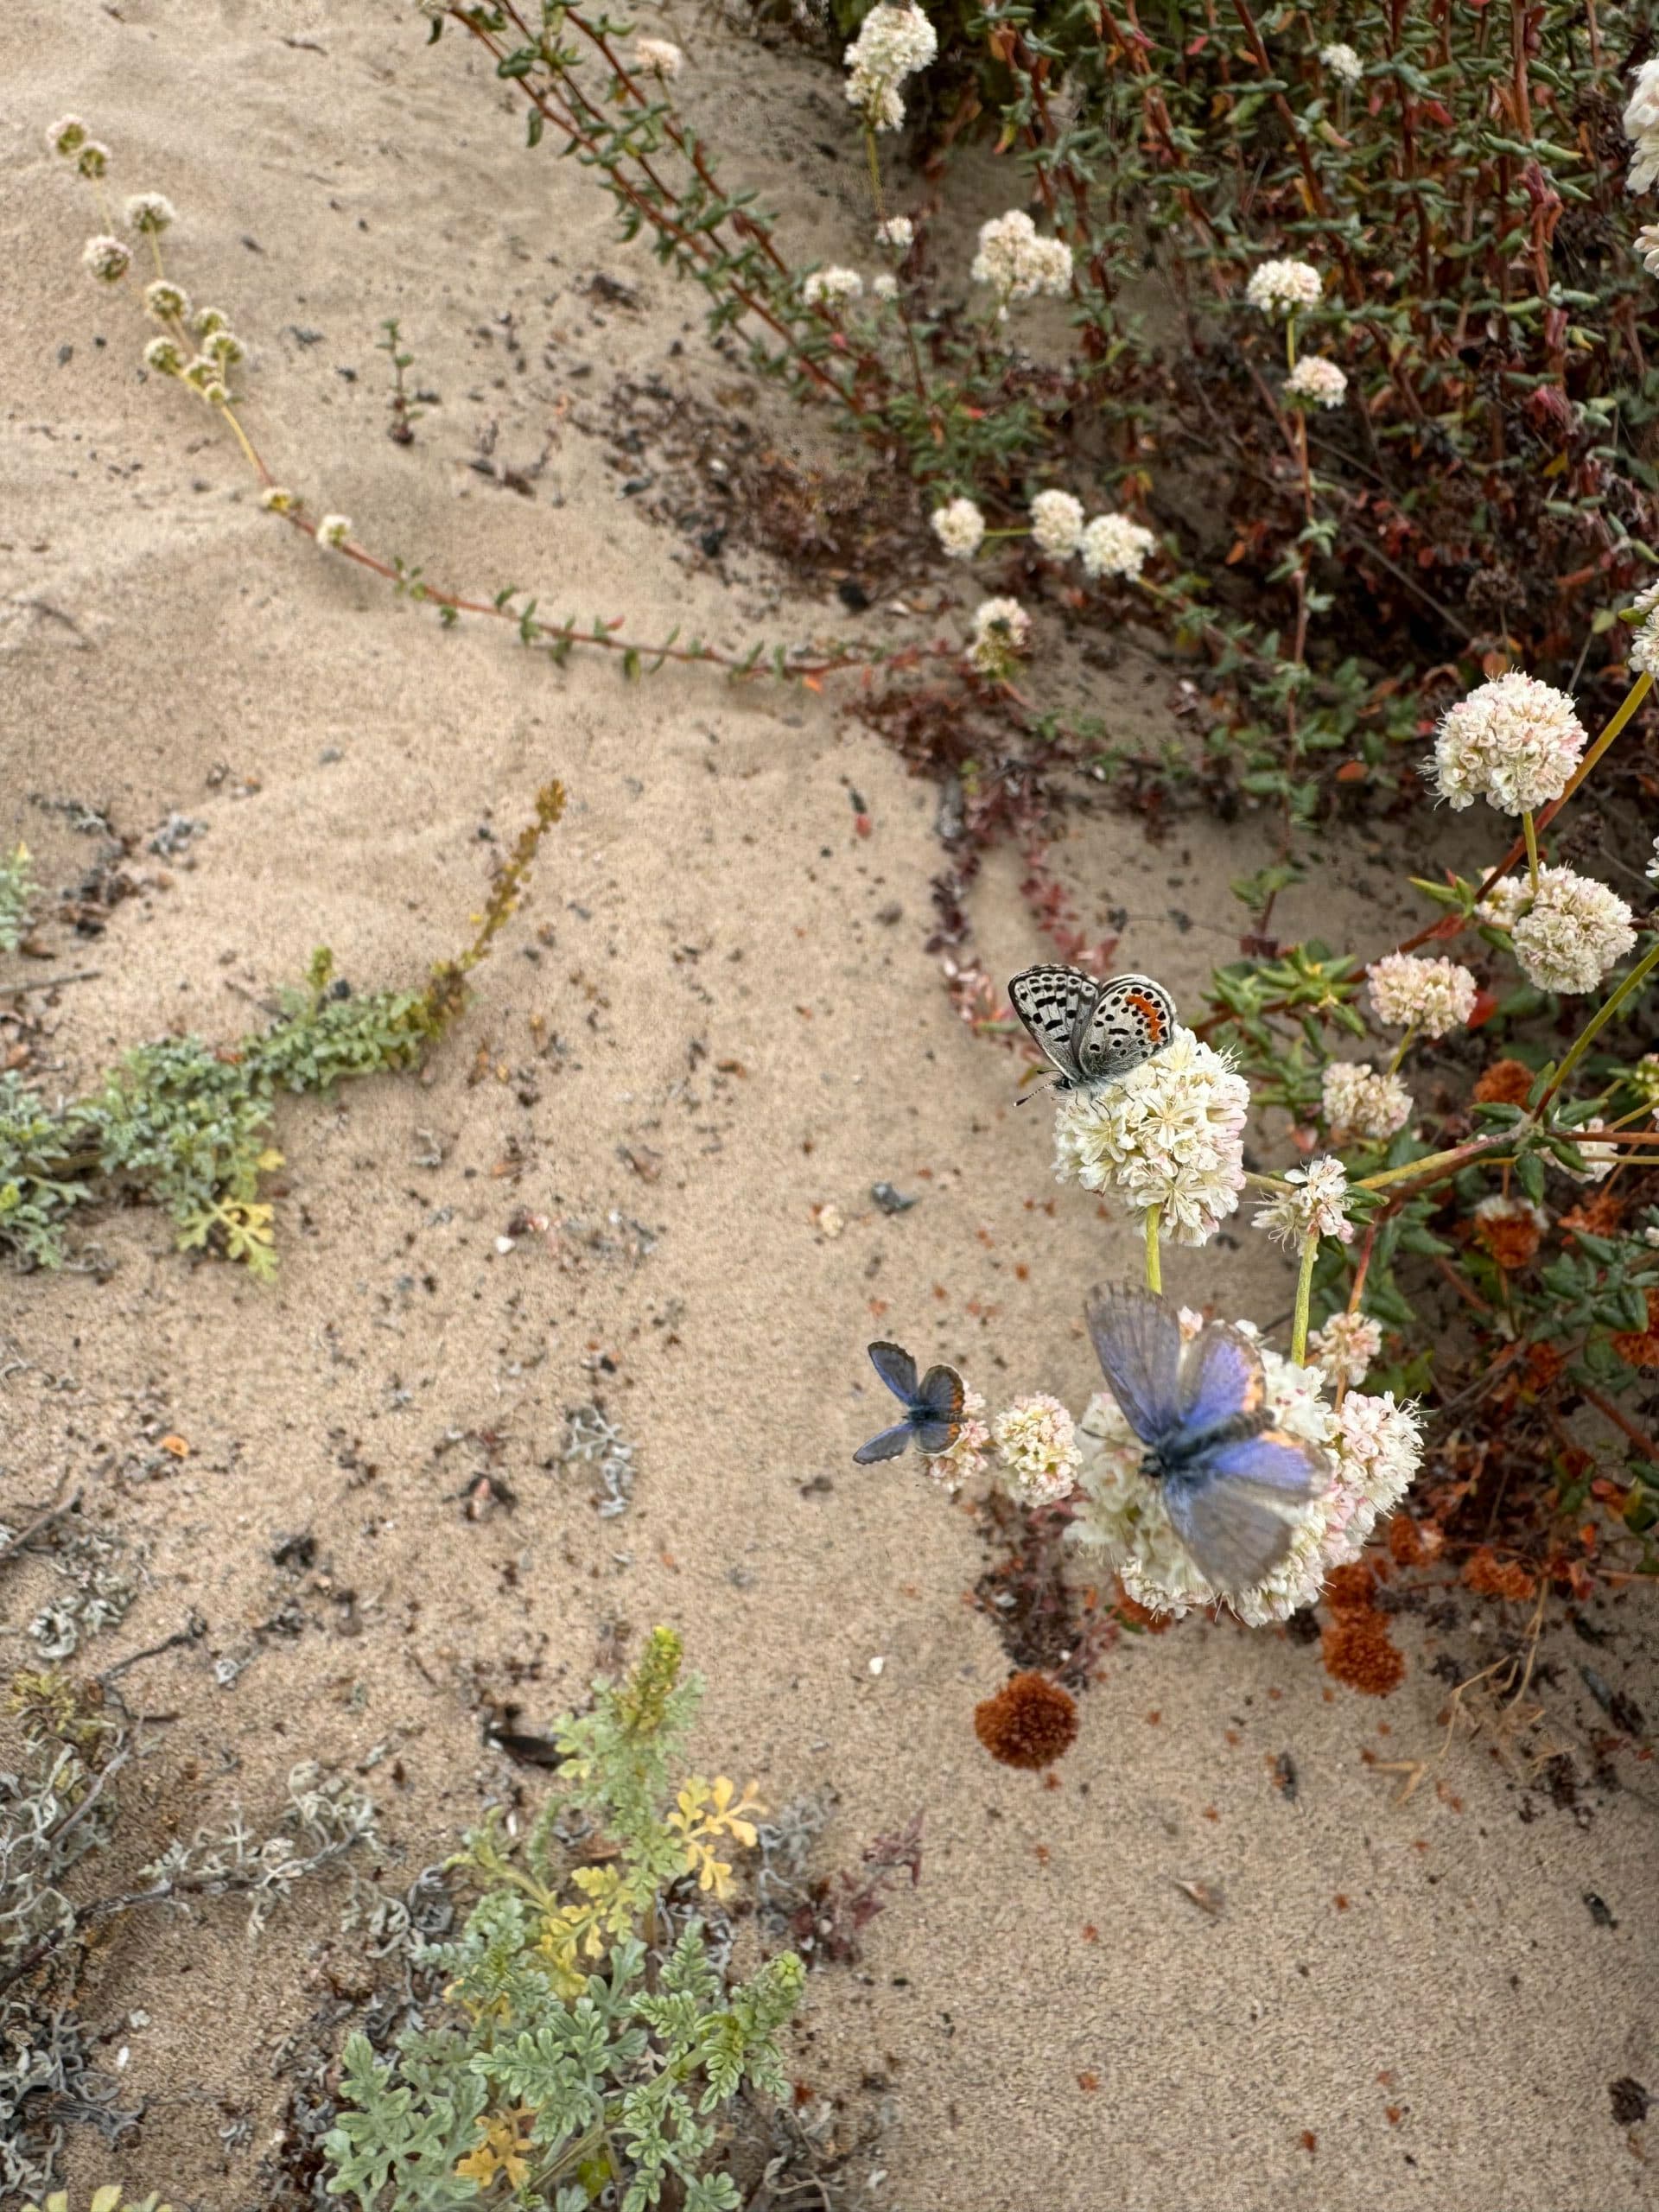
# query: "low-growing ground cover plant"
590 2036
186 1125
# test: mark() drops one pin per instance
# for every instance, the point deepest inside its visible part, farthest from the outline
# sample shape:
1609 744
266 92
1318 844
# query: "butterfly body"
1227 1474
933 1407
1091 1033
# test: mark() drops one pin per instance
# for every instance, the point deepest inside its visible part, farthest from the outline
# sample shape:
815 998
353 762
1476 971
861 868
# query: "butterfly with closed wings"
1088 1032
1228 1477
933 1407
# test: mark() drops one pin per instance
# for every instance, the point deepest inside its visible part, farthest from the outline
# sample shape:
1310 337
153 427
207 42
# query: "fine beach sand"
1398 2003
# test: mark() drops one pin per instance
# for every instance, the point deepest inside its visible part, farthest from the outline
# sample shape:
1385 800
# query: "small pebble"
876 1665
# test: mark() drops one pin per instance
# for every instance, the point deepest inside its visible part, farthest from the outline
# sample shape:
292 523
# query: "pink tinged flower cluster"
1641 128
1513 741
1431 995
1315 1206
1345 1349
1572 933
1372 1447
965 1460
1169 1134
1037 1449
1356 1102
1001 632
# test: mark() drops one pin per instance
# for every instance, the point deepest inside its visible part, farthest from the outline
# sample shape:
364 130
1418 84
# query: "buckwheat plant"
197 348
591 2038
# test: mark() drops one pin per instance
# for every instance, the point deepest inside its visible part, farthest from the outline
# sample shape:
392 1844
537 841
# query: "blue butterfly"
932 1408
1199 1409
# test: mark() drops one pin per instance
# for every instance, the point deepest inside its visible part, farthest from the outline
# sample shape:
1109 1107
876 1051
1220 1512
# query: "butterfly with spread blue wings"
933 1407
1231 1481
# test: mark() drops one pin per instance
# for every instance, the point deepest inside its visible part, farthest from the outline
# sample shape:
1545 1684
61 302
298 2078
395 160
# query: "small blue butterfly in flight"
932 1406
1228 1477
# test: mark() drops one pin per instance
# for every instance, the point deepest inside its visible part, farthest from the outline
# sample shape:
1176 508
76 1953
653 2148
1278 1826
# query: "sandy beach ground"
716 1015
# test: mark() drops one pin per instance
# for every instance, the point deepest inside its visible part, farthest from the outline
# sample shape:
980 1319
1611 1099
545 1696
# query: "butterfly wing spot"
1132 1018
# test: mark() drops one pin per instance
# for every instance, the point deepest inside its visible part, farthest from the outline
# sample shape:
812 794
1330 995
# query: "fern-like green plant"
585 2052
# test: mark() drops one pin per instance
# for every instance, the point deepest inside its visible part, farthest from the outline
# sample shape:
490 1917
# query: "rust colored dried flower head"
1030 1722
1358 1650
1544 1363
1509 1229
1506 1083
1405 1545
1640 1348
1491 1577
1351 1589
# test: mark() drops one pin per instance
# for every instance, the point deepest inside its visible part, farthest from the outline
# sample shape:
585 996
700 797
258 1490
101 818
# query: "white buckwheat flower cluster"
657 57
959 526
151 212
1359 1102
1169 1134
1506 902
1001 628
1017 263
1374 1448
333 530
1432 996
892 43
884 285
67 135
898 232
1036 1441
1317 381
105 258
1346 1347
1571 934
1641 128
1647 245
1644 653
829 287
1652 869
1317 1205
1513 741
1056 523
1343 64
1284 287
1112 545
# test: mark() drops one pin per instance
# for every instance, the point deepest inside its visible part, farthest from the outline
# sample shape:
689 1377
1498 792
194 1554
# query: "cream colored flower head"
1284 287
1432 996
151 212
166 301
333 530
1112 545
67 135
92 157
1315 1206
1342 63
1320 382
106 259
892 43
657 57
959 526
829 287
1019 264
1346 1347
1357 1101
1001 632
1037 1447
1641 128
898 232
1056 523
1513 741
1169 1134
1572 933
